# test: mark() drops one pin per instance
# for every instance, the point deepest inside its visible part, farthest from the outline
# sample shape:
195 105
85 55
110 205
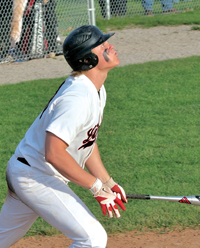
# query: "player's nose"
110 47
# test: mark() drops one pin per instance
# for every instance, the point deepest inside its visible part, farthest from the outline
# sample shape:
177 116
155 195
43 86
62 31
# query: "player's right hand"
107 200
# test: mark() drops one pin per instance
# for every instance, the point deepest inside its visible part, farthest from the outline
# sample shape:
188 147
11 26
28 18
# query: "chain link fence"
107 9
37 28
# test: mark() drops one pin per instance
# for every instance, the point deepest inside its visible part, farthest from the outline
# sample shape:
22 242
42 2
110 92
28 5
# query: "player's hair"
76 73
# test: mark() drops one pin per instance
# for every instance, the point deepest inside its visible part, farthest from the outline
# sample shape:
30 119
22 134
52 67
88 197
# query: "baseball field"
149 142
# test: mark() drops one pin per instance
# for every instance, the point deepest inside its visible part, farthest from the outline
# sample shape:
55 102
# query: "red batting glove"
107 199
117 189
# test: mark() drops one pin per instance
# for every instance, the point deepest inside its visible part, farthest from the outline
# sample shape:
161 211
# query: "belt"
23 160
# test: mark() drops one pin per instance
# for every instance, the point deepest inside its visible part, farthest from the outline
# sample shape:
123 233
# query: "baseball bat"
192 199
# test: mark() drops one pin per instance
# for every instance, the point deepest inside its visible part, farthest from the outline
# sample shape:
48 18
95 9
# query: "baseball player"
57 147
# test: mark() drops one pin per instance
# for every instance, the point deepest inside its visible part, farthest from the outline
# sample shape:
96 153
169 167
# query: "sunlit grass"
149 139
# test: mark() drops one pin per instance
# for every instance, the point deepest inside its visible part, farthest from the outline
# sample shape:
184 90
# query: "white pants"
38 194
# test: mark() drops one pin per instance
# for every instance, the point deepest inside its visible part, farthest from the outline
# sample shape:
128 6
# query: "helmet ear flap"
86 63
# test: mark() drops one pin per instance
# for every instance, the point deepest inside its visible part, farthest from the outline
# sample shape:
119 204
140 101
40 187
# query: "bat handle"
138 196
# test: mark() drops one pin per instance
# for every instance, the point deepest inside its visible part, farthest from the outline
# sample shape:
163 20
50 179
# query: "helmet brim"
102 39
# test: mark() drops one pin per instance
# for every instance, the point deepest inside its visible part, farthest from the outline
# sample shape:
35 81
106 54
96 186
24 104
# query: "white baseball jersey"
74 115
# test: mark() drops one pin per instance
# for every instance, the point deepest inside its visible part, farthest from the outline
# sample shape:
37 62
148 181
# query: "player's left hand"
107 199
117 189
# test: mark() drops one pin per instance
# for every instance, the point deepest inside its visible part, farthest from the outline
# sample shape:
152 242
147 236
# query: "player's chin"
117 62
114 63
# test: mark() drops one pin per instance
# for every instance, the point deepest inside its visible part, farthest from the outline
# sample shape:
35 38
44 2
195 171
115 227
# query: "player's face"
107 56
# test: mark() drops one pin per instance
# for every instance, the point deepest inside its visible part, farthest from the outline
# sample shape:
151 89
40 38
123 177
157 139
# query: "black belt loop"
23 160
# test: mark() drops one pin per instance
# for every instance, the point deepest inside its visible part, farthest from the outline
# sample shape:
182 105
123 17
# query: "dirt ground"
134 45
185 239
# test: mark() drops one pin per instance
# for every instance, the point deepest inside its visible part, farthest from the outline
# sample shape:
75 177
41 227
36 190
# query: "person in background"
23 30
167 7
16 23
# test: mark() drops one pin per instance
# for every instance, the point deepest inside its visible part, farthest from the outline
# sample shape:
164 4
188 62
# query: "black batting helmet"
78 45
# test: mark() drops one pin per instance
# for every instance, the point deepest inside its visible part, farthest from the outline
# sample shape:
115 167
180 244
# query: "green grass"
196 28
185 18
134 17
71 14
134 7
149 140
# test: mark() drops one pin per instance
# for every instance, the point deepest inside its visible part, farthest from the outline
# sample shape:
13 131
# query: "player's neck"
97 77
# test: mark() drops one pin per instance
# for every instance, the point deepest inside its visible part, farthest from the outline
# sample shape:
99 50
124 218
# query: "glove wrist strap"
96 186
110 183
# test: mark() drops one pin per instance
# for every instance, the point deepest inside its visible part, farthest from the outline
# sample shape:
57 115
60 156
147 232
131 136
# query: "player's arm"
64 163
95 166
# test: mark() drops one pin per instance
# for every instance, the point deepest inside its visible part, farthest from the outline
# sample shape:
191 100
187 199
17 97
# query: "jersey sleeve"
69 115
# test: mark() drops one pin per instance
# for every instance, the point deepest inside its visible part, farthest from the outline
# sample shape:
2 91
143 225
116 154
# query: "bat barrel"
166 198
193 199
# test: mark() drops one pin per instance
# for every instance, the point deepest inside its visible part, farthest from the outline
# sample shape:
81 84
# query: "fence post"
108 9
91 10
